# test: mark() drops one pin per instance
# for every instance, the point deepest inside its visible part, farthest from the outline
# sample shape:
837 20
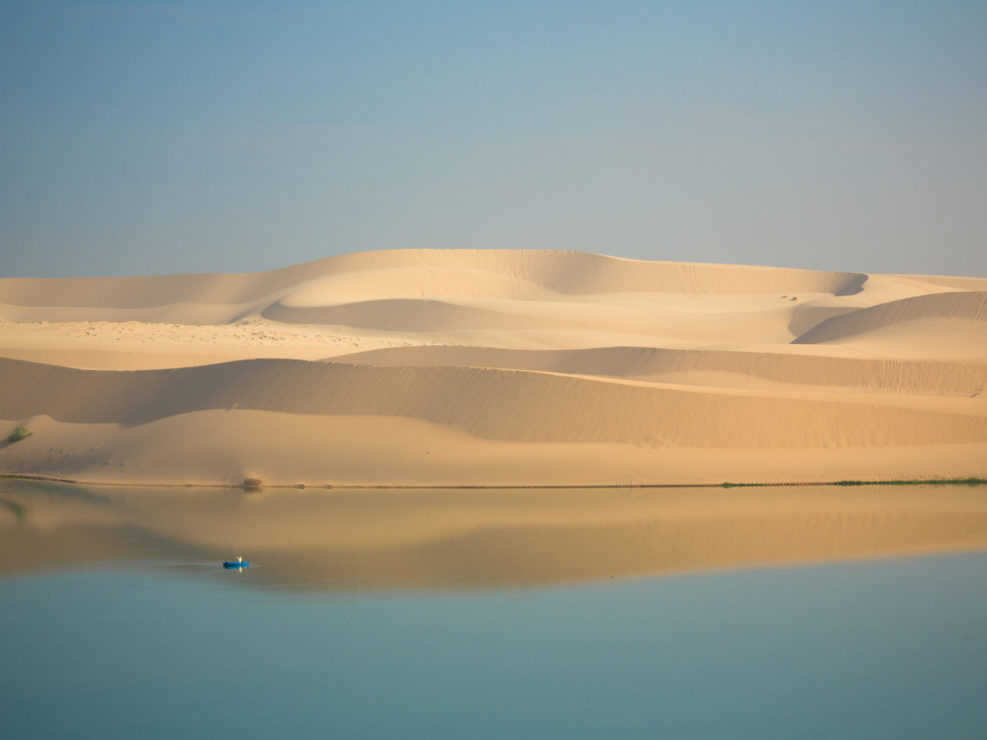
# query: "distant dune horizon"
494 368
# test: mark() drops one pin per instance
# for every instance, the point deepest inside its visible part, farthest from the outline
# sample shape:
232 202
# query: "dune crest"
465 367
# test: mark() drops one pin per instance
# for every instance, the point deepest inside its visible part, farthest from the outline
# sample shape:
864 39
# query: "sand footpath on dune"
495 368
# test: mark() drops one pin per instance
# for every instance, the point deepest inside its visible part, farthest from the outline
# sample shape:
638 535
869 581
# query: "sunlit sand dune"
746 367
969 307
495 368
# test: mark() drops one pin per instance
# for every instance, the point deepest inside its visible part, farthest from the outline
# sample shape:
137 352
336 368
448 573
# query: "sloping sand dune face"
495 368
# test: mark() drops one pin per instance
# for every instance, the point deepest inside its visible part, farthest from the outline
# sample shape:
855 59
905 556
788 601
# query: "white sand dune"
688 366
969 306
488 403
495 368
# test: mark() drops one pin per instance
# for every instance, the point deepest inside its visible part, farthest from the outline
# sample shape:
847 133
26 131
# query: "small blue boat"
238 563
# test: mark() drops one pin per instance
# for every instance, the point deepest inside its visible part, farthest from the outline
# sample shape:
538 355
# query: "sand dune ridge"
504 367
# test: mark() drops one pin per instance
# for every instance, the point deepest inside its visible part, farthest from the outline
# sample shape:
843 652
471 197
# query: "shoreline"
967 481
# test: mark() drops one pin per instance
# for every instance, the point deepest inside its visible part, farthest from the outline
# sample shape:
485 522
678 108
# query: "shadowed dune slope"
964 306
889 376
489 403
407 315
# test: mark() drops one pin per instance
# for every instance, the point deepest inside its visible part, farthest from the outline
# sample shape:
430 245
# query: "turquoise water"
469 614
890 648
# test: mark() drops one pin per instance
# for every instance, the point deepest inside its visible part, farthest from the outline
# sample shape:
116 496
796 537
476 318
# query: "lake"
625 613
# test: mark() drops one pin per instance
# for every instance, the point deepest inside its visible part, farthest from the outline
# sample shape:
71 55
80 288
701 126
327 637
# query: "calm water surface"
807 613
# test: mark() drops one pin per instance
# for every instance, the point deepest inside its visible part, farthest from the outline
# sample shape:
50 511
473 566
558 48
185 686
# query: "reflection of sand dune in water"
469 539
492 368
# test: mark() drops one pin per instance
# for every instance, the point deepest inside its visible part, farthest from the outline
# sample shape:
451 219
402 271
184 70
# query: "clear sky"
234 136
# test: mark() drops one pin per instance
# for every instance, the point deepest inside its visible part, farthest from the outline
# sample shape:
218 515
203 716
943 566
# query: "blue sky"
150 137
